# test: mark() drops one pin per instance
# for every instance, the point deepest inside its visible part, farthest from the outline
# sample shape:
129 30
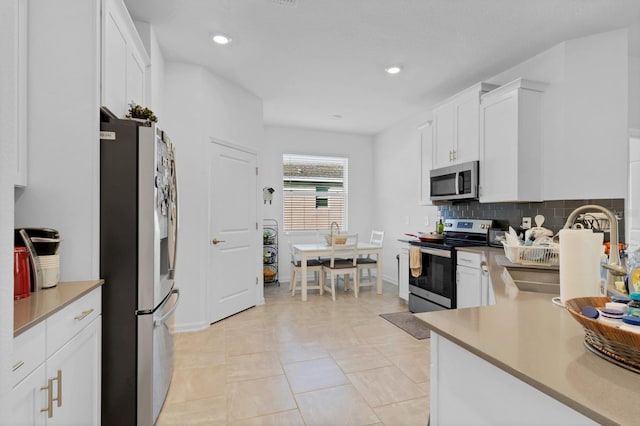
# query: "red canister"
21 273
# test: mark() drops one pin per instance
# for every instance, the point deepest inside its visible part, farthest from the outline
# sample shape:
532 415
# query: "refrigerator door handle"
164 317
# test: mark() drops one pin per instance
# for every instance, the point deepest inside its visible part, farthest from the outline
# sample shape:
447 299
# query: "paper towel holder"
614 267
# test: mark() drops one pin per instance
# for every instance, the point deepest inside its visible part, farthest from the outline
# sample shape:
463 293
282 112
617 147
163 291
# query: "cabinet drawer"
28 352
472 260
66 323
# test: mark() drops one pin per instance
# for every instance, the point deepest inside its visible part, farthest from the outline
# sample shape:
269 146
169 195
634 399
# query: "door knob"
215 241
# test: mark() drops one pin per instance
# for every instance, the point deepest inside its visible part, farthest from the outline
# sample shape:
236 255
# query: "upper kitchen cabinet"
125 62
456 127
510 143
17 99
426 152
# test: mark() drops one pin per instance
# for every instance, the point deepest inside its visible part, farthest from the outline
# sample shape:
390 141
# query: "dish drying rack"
533 255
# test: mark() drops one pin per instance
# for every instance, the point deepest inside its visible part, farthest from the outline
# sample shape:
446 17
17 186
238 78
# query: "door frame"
257 241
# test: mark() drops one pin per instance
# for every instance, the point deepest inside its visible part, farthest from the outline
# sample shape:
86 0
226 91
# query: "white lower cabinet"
473 286
29 399
469 288
64 387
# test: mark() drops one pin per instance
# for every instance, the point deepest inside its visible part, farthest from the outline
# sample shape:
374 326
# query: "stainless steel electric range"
434 288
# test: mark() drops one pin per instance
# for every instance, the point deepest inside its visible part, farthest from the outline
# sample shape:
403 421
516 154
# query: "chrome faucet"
614 267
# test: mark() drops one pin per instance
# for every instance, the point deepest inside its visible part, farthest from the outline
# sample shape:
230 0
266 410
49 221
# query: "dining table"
314 250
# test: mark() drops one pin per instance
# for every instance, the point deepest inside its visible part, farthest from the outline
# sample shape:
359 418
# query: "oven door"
436 283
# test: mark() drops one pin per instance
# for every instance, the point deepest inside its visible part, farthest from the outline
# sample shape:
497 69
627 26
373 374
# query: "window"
315 192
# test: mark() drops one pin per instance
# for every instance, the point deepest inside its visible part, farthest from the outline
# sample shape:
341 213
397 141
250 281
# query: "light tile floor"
290 362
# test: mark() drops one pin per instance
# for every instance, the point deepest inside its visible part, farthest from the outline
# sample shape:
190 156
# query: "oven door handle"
436 252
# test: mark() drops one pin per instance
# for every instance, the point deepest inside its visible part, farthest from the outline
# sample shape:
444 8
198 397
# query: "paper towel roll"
580 252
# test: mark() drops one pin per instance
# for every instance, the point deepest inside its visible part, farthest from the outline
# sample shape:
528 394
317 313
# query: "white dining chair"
313 265
369 262
342 261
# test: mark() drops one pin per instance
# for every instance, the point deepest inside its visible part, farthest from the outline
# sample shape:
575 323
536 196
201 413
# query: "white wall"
396 162
199 106
362 189
63 117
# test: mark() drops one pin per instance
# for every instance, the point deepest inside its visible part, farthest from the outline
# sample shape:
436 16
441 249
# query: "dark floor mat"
409 323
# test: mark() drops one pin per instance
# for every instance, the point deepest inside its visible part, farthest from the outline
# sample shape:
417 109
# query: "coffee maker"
42 245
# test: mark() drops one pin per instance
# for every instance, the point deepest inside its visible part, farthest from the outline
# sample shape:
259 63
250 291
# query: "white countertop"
530 338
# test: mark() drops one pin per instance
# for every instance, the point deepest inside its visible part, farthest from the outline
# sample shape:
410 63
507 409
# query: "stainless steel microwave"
456 182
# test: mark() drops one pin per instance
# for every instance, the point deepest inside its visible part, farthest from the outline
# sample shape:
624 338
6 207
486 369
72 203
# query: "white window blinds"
314 192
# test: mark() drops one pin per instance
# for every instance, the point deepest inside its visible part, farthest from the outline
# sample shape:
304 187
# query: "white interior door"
233 241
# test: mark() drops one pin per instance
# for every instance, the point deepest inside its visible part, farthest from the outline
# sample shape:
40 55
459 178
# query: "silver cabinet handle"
17 365
83 315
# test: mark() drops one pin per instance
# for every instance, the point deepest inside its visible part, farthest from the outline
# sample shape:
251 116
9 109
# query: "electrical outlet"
426 221
526 222
406 220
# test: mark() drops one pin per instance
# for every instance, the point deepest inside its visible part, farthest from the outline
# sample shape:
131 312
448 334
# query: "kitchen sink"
536 280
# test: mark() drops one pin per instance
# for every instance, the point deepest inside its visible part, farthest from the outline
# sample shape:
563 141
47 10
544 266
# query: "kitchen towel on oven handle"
415 261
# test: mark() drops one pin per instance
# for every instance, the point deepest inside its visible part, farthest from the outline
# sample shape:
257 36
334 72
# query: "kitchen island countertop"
43 303
539 343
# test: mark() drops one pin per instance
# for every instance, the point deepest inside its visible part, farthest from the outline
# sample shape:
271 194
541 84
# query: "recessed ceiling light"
393 69
221 38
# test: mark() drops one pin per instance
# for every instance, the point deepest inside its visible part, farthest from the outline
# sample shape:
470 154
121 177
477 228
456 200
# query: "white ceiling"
309 60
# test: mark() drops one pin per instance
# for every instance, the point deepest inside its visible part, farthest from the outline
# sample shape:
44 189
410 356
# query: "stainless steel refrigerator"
138 236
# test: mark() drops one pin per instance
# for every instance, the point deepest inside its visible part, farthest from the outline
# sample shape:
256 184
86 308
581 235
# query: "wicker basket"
338 239
533 255
619 346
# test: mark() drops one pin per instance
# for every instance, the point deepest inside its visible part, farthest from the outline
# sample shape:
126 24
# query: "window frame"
343 160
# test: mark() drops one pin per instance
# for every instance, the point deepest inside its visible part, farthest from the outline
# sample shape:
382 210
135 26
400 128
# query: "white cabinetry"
510 143
633 201
456 127
19 104
472 281
57 367
466 389
426 161
124 60
403 273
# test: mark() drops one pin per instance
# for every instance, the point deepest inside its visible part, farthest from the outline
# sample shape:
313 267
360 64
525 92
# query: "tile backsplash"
554 212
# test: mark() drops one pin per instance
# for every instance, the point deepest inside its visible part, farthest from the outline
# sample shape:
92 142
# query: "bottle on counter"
634 305
440 227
